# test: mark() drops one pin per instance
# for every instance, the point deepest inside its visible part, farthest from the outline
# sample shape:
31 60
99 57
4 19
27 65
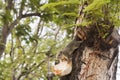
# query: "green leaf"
96 4
70 14
22 30
51 5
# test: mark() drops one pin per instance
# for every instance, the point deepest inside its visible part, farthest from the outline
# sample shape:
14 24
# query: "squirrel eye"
57 62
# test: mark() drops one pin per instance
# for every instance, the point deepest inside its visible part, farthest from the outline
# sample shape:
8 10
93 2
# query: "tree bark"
94 60
97 57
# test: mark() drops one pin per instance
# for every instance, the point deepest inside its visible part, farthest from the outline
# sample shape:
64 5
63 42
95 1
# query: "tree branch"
9 4
21 7
31 14
30 70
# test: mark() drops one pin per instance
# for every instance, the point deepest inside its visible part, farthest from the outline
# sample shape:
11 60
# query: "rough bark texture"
97 57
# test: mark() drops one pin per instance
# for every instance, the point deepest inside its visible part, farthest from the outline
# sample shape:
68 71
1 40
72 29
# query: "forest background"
30 29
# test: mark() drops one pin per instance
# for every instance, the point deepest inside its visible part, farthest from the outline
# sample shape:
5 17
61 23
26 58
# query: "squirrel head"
61 56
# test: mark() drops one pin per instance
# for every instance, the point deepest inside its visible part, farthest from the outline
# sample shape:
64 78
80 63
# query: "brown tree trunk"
94 60
97 57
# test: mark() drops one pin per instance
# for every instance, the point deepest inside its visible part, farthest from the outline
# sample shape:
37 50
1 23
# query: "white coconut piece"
63 68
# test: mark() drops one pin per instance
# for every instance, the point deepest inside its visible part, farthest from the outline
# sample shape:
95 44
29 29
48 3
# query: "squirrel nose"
57 62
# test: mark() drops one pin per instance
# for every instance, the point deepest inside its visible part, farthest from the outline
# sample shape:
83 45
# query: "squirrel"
66 53
63 66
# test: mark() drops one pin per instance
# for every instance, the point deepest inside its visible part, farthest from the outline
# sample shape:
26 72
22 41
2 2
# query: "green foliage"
1 4
32 37
99 10
96 5
51 5
60 12
22 30
34 4
6 17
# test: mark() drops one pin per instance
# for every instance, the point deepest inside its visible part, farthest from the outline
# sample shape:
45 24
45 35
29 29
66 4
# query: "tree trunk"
94 60
3 38
97 57
93 65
